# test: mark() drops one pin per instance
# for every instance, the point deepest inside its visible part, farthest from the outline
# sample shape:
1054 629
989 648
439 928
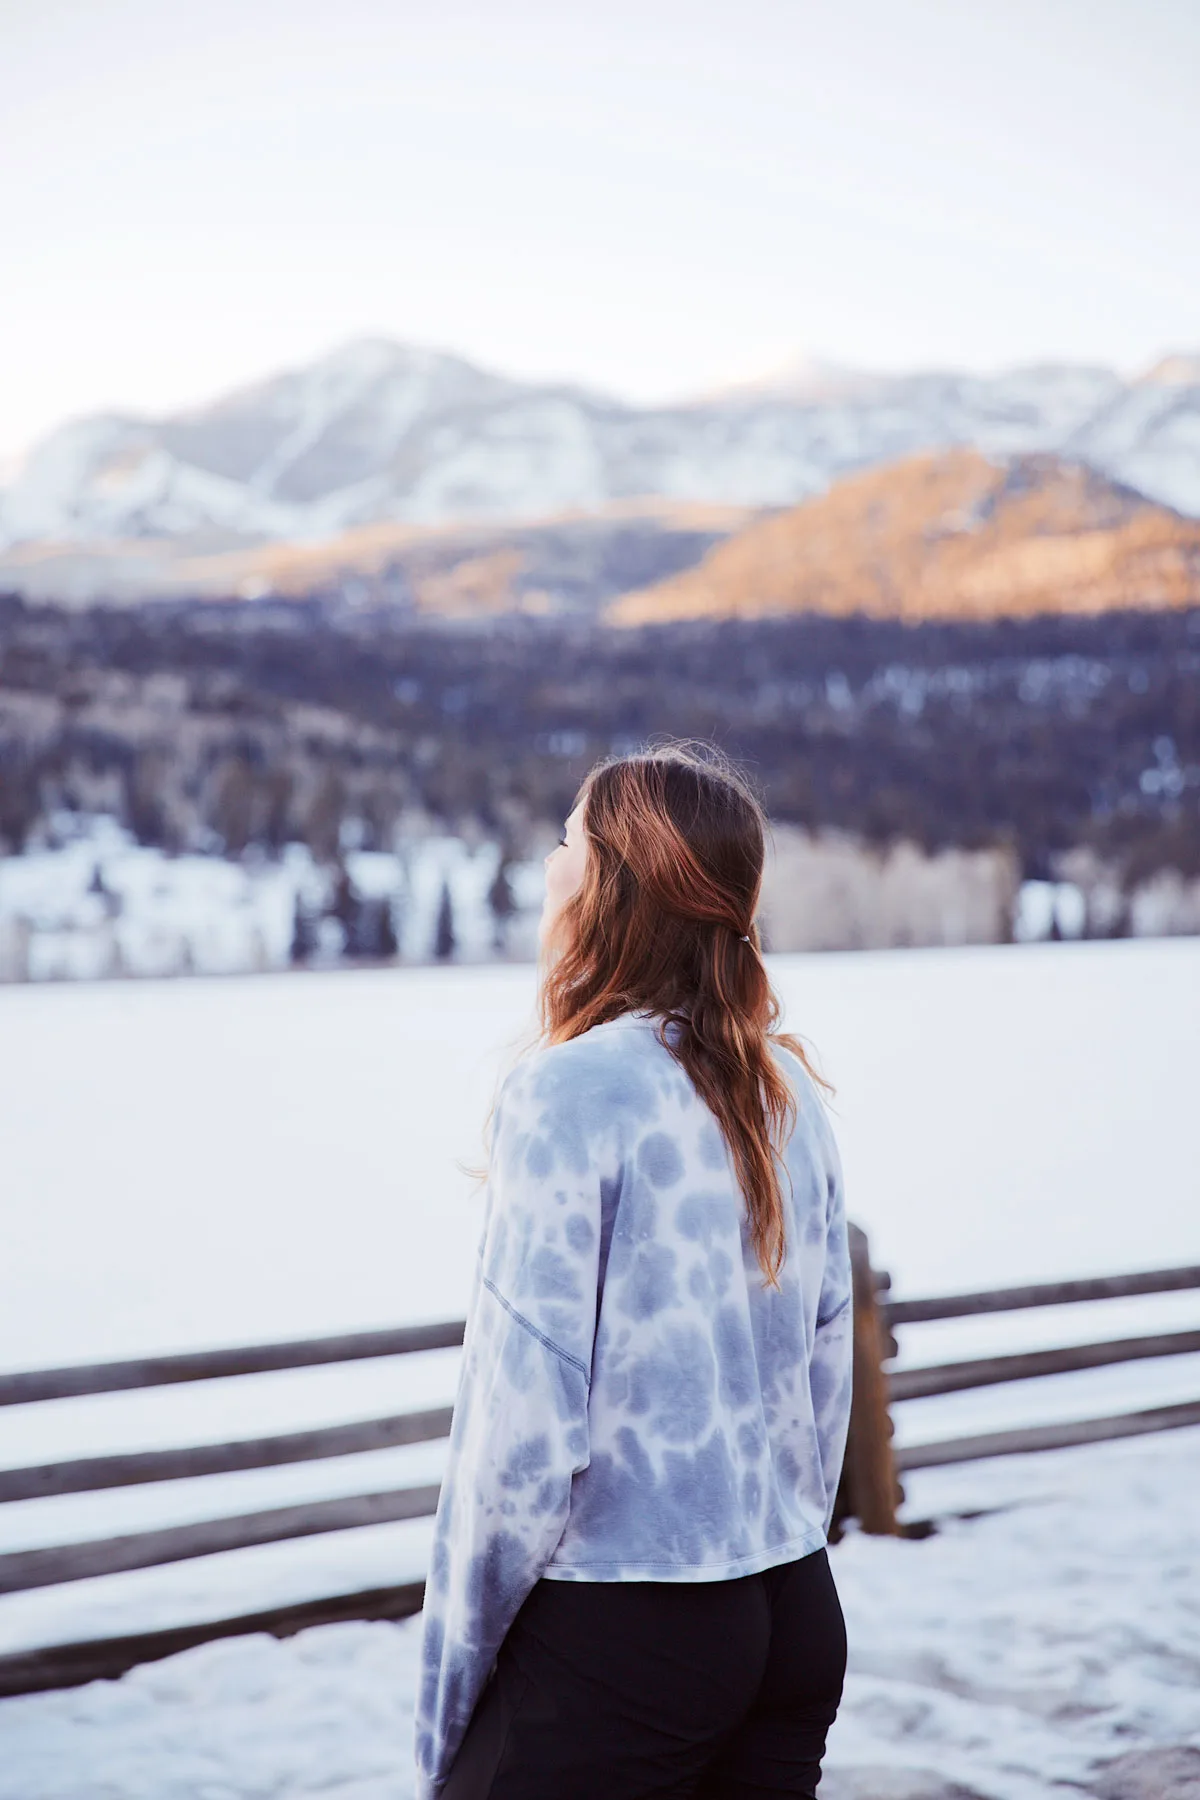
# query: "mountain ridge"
377 432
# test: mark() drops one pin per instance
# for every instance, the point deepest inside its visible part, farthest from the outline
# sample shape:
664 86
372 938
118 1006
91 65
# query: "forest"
220 725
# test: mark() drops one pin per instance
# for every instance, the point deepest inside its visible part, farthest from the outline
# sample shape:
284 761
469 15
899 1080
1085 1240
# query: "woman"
628 1592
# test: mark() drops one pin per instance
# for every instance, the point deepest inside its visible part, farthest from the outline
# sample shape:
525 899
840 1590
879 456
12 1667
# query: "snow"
1013 1654
266 1157
157 914
41 495
382 432
1149 436
108 477
1005 1113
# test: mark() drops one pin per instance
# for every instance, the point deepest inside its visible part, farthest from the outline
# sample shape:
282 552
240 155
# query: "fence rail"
1044 1293
985 1371
89 1474
23 1388
869 1491
1048 1437
21 1570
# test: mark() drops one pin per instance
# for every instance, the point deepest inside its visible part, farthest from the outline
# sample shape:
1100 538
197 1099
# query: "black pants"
683 1690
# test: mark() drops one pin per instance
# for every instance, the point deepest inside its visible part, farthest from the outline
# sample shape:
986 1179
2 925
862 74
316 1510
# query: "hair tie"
744 938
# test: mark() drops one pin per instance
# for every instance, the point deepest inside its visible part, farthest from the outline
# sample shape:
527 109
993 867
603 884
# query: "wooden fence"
869 1489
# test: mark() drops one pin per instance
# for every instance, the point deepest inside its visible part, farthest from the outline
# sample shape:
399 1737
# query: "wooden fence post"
869 1490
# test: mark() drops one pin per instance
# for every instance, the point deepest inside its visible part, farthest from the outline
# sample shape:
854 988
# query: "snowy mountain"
1148 435
380 433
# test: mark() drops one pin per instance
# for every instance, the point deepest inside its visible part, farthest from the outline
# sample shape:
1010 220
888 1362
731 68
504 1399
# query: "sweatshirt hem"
789 1551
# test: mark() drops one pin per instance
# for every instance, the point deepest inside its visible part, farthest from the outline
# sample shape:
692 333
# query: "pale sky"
646 196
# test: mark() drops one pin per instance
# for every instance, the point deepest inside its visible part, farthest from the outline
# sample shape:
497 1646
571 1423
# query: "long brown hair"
675 846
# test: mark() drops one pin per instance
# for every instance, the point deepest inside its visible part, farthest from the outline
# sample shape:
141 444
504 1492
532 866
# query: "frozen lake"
193 1162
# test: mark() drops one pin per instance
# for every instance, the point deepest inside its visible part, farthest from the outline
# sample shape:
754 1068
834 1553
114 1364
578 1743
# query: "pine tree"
347 909
501 900
444 943
388 943
304 933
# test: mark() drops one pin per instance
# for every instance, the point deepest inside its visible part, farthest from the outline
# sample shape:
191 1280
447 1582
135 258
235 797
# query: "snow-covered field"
193 1163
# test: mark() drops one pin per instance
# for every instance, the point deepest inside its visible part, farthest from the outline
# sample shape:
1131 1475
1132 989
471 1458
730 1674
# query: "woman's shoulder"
814 1127
610 1066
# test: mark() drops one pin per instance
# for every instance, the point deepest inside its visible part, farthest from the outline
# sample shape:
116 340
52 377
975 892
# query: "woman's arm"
520 1427
831 1363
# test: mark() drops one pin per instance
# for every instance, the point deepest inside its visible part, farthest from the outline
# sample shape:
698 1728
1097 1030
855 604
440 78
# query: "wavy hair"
663 921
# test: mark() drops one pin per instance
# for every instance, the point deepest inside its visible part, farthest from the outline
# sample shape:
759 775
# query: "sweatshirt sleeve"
519 1429
831 1363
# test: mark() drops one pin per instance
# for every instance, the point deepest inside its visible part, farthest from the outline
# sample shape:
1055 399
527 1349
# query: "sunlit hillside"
944 536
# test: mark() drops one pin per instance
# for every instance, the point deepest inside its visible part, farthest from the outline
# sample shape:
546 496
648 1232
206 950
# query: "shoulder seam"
533 1330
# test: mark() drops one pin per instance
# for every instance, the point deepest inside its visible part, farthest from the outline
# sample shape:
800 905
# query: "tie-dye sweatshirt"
632 1404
